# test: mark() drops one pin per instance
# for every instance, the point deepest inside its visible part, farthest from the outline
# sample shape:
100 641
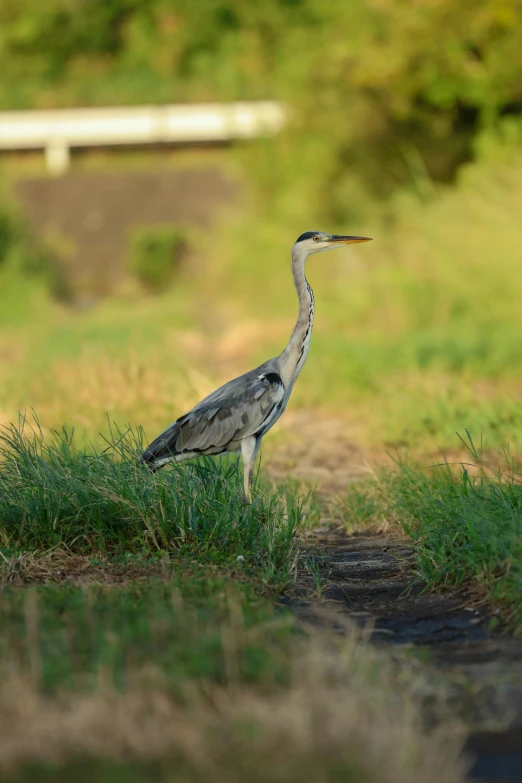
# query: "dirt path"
319 449
369 579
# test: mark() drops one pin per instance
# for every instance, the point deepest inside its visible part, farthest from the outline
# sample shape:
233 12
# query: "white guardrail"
57 131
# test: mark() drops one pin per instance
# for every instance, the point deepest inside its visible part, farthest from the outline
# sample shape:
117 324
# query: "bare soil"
321 450
60 566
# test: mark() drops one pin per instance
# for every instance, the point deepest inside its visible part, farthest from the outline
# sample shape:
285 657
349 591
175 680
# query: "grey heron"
236 416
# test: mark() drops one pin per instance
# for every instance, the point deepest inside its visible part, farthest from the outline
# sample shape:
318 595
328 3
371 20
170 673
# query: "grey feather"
243 407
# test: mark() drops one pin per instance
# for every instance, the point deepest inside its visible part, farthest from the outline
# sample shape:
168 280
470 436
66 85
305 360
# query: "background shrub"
155 254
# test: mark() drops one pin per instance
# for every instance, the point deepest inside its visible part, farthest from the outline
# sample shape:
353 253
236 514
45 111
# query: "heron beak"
339 240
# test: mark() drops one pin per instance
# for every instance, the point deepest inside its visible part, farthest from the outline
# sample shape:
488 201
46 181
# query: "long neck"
294 355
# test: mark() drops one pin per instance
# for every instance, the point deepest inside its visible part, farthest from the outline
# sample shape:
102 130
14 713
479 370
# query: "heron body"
236 416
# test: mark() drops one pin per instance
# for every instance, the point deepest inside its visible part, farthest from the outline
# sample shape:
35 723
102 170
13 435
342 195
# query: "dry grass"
344 712
93 386
59 566
151 387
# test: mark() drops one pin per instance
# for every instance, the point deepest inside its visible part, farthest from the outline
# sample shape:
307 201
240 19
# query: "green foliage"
371 84
104 499
23 256
55 253
8 234
154 255
17 250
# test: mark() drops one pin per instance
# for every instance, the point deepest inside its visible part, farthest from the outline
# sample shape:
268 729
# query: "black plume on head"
306 235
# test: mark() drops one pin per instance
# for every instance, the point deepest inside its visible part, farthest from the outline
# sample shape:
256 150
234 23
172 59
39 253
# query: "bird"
237 416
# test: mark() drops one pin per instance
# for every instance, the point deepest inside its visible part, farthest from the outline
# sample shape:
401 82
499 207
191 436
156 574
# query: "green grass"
102 499
465 524
179 771
177 624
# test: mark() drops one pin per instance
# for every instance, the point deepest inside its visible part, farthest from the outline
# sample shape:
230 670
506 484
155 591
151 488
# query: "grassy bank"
465 523
139 640
101 499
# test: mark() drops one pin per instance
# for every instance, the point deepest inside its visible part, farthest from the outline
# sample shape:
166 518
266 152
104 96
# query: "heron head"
317 241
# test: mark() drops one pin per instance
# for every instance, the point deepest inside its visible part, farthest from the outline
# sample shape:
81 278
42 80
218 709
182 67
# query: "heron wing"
241 408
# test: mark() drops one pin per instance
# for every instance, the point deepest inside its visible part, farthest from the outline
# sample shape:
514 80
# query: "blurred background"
134 278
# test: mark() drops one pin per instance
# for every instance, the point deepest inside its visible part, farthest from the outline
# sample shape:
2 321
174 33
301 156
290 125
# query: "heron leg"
249 448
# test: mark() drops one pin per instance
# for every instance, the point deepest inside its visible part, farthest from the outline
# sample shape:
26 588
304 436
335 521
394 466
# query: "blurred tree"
380 88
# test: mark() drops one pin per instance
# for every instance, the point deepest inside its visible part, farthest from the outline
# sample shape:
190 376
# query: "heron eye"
316 238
